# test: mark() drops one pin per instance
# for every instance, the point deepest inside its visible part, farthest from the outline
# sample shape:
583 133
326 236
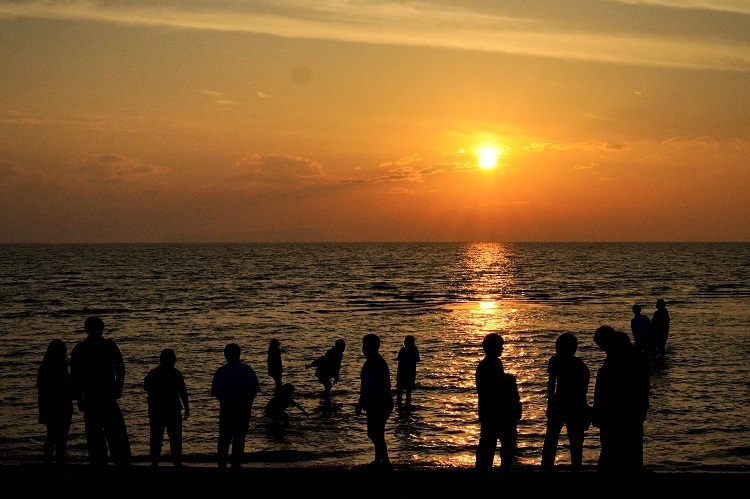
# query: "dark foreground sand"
142 482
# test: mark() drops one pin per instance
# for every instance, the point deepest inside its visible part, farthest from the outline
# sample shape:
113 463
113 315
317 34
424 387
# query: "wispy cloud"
456 25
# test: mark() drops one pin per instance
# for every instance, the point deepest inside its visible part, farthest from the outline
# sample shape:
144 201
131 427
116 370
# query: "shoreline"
139 481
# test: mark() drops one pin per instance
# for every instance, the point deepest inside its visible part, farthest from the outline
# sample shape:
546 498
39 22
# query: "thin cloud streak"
422 25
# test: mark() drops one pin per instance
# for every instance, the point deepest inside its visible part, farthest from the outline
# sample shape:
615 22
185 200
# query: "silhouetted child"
499 407
55 398
567 387
375 397
328 367
660 325
406 373
167 395
279 403
275 367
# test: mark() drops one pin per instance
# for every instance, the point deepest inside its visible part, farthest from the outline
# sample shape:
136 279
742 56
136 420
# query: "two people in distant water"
375 398
499 407
567 390
98 373
235 385
328 367
55 397
621 401
406 373
167 397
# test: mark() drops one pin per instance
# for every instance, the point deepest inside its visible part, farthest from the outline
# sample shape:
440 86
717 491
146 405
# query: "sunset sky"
363 120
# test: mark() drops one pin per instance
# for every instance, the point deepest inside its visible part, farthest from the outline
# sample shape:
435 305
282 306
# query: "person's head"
661 303
93 326
566 344
370 344
56 350
604 336
168 357
287 389
636 309
409 340
232 352
340 345
492 344
274 344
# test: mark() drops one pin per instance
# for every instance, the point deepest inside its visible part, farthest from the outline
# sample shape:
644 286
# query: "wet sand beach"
143 482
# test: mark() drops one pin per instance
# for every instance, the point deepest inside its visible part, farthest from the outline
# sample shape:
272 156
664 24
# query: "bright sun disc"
488 157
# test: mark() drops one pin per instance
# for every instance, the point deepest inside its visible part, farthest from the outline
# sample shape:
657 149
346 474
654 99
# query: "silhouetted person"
621 400
280 402
567 387
55 399
499 407
235 385
375 397
275 367
660 327
167 395
640 325
328 366
98 373
406 374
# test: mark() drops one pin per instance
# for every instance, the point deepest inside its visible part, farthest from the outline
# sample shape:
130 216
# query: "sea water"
196 298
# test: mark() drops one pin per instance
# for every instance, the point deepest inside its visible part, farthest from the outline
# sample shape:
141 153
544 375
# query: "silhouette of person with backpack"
499 407
328 367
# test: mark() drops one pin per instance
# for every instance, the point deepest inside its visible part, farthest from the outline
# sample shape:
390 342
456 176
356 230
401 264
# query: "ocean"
196 298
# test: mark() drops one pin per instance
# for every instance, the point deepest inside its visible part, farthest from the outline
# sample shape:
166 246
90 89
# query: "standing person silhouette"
621 401
567 387
167 395
275 367
660 325
499 407
375 397
328 367
640 325
235 385
98 373
55 400
406 373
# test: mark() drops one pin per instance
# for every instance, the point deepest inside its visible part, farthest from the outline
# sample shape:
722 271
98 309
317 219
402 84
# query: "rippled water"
197 298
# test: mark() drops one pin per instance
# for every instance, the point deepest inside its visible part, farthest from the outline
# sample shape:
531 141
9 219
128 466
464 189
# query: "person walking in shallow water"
499 407
275 366
98 372
167 396
567 387
375 397
235 385
660 325
328 367
640 325
55 400
406 374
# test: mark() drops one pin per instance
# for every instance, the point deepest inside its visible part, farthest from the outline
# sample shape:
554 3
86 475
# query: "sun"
487 156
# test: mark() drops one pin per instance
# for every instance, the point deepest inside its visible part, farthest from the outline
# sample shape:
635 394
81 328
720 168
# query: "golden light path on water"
490 271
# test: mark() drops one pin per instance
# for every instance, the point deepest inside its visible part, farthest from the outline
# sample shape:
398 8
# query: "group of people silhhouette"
95 379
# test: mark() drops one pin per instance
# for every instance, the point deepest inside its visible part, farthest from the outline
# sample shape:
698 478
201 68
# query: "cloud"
264 95
274 168
588 146
527 30
111 167
414 158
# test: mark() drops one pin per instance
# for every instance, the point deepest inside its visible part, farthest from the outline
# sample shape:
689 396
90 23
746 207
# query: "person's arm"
182 390
119 368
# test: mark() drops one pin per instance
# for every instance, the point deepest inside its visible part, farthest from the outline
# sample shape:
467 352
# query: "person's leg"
408 396
327 385
486 447
117 435
61 440
399 395
174 431
575 438
225 439
508 444
551 438
238 445
156 437
96 443
49 444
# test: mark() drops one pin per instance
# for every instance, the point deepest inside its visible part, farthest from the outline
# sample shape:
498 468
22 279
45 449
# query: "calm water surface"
197 298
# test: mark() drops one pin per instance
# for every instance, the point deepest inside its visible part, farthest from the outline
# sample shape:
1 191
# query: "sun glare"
488 157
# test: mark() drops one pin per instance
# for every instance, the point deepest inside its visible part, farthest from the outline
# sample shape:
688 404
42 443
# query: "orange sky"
331 120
